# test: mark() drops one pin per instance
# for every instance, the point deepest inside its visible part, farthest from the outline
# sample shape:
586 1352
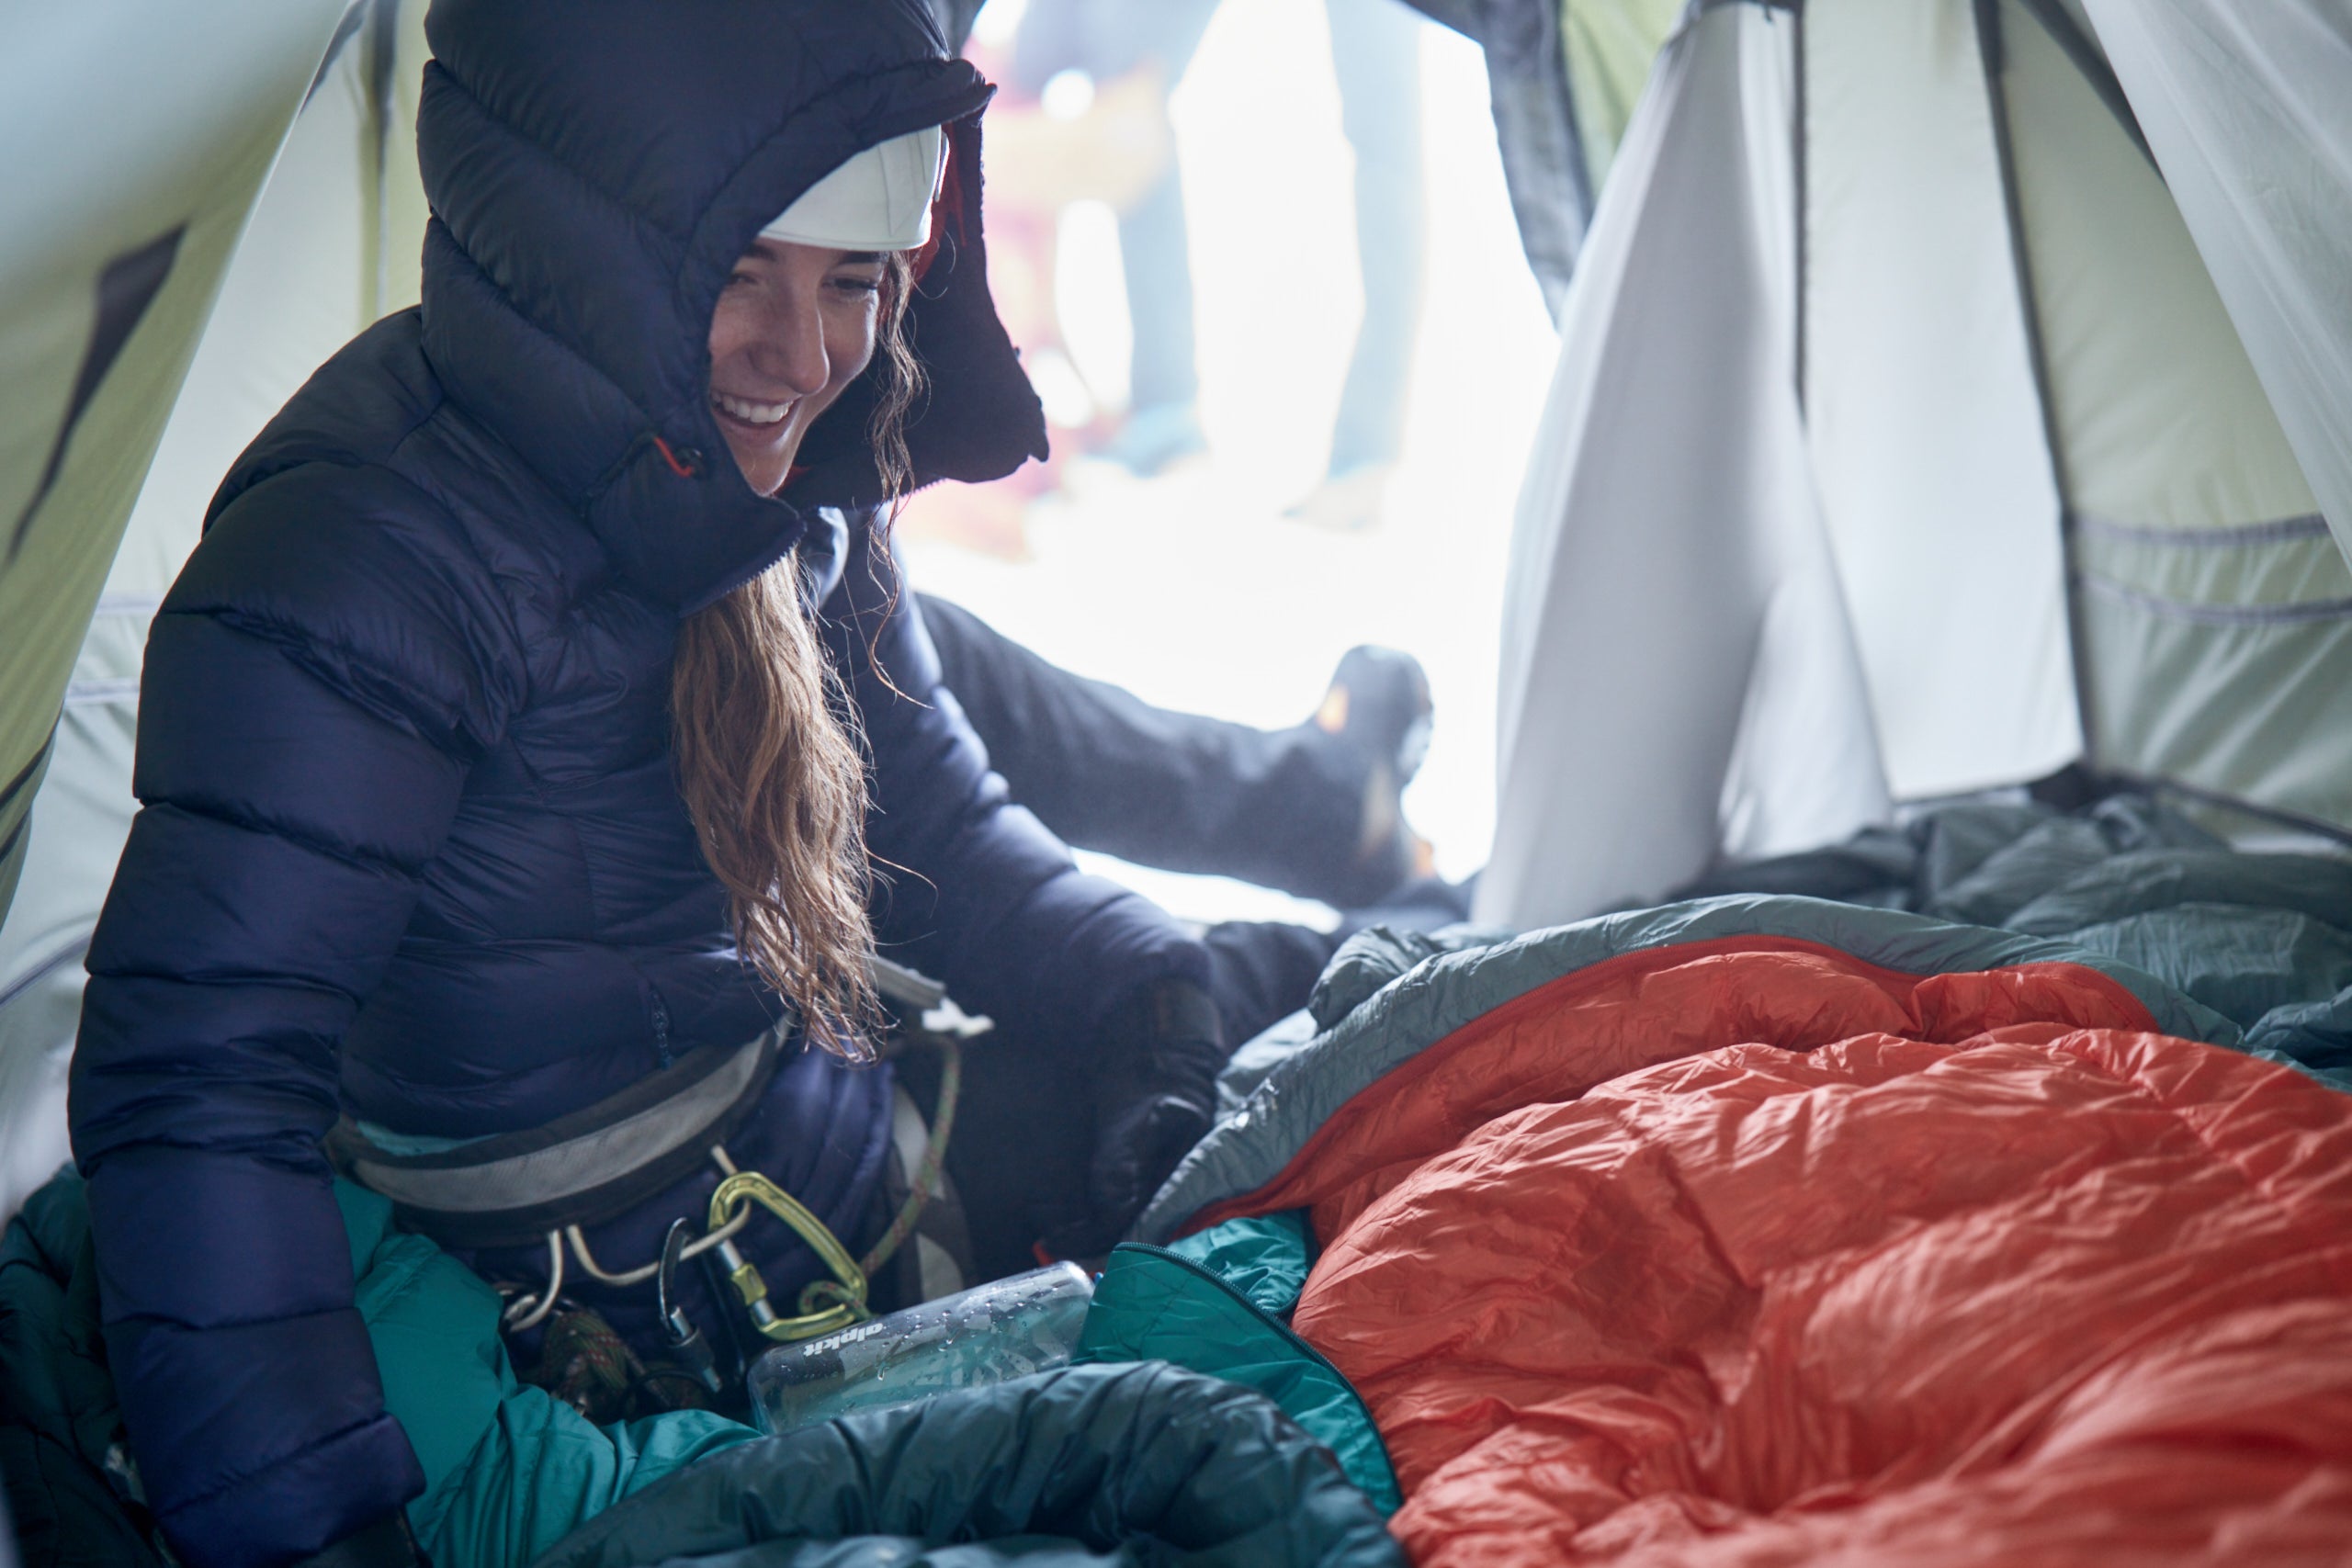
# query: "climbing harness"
824 1305
549 1184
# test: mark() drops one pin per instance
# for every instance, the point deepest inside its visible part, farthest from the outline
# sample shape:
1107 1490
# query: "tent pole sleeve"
1990 49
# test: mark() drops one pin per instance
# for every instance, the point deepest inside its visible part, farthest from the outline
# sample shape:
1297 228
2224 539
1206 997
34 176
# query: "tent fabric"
1610 46
1564 76
79 821
2061 493
2211 601
334 243
1536 128
1676 655
2160 418
1736 1254
156 135
2242 108
1921 414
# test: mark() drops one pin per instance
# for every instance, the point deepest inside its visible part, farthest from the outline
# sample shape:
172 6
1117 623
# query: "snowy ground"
1191 588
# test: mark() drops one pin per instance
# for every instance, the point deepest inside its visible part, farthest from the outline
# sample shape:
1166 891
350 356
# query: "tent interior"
1903 445
1955 396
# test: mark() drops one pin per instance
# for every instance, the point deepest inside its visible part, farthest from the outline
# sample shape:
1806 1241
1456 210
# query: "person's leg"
1375 52
1107 771
1163 421
1154 237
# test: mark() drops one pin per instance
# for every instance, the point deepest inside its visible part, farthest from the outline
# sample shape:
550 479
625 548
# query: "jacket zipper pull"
661 1029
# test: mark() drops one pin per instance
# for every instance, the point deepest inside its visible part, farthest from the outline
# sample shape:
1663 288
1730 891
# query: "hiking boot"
1378 706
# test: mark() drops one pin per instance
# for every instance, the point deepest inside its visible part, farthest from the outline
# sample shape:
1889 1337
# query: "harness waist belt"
579 1170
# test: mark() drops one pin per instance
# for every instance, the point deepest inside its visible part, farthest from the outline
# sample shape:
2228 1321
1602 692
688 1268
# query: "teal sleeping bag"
1090 1465
1219 1303
509 1469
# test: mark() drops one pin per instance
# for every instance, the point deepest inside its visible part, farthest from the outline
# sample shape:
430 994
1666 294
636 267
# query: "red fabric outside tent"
1747 1252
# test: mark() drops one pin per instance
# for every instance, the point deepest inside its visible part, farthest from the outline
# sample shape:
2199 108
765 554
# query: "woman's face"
795 325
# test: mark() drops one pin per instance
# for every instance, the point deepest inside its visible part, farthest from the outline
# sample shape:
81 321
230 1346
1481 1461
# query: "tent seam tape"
2215 615
95 689
1991 51
49 964
2283 530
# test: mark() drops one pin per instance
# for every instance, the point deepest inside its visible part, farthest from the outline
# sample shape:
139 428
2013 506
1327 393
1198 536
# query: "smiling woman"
794 326
497 740
775 788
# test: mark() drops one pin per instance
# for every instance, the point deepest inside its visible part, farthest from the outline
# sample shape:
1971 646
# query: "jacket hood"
595 168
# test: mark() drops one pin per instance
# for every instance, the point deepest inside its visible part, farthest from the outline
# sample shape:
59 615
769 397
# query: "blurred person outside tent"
1119 44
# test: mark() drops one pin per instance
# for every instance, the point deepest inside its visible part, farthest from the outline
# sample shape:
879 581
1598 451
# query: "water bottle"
1007 1328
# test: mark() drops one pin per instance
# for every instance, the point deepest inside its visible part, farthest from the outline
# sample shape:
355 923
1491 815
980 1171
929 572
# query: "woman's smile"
793 327
751 413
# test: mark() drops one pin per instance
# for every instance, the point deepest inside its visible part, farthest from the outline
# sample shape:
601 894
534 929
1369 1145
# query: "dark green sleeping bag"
1144 1463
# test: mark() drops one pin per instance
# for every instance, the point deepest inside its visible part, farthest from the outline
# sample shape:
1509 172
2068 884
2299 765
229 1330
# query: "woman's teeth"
751 413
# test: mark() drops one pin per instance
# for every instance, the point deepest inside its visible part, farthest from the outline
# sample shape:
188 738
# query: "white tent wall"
2068 522
334 243
147 134
2214 612
330 241
80 822
1676 658
2246 108
1924 426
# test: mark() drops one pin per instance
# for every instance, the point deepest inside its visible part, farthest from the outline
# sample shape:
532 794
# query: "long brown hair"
770 761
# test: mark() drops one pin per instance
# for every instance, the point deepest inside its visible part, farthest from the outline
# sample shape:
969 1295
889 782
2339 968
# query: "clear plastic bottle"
1007 1328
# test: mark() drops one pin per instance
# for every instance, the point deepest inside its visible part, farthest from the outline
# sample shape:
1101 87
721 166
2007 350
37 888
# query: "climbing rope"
925 1184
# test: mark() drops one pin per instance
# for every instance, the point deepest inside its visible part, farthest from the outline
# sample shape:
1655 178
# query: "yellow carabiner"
749 1187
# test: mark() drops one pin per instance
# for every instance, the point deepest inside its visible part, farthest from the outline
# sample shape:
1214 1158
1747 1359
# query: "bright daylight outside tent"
2050 394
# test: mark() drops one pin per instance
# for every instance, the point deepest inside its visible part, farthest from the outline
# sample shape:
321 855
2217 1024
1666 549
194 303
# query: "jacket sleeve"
971 888
313 689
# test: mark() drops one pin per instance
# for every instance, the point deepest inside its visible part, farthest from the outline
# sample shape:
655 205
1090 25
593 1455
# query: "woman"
492 764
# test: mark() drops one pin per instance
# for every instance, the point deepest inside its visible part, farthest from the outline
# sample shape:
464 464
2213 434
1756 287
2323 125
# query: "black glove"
1155 1093
387 1543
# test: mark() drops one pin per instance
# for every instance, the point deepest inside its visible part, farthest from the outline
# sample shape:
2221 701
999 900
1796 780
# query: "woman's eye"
858 285
741 278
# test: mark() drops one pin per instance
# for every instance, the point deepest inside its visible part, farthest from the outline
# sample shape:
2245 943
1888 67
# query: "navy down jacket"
411 843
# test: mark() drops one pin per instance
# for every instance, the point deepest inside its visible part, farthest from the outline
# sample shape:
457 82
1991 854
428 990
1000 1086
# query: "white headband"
877 200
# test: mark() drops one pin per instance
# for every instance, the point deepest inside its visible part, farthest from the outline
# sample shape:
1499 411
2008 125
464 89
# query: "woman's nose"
791 347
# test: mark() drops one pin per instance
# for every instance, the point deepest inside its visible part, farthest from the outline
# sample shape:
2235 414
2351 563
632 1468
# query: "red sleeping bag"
1747 1252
